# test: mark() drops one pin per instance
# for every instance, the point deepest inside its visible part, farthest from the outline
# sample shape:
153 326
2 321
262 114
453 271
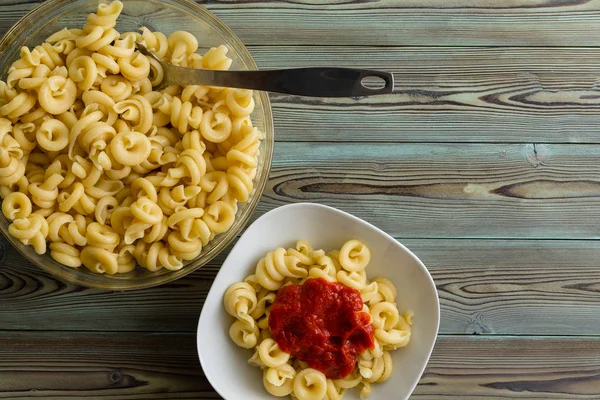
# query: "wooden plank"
111 366
486 287
507 368
395 22
442 94
35 300
530 287
447 190
501 95
107 366
414 22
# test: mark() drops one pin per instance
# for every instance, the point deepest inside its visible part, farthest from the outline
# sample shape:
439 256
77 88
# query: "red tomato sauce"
321 323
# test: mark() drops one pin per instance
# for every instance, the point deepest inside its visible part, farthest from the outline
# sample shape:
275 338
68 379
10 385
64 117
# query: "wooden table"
485 162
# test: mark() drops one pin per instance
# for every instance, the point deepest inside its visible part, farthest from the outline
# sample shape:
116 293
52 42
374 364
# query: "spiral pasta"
75 198
136 110
355 280
240 300
56 95
99 260
375 368
216 58
249 302
264 298
32 229
52 135
215 127
16 205
94 140
183 115
126 262
239 183
65 254
386 291
117 87
240 102
156 42
156 256
181 44
186 249
83 71
39 75
354 256
25 135
279 381
310 384
24 228
66 228
219 216
109 169
244 334
98 33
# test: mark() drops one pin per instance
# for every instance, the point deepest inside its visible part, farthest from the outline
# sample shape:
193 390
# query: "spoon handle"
316 82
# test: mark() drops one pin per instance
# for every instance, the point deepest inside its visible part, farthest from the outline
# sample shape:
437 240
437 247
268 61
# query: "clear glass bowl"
159 15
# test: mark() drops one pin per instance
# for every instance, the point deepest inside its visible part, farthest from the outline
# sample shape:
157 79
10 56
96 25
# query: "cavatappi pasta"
109 171
249 303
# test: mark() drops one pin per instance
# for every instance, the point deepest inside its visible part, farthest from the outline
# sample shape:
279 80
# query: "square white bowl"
225 364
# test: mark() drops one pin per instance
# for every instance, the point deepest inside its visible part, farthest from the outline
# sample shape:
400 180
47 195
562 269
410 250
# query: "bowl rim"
104 282
354 218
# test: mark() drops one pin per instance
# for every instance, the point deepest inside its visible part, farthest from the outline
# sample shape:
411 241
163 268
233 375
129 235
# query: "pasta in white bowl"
268 259
88 139
268 324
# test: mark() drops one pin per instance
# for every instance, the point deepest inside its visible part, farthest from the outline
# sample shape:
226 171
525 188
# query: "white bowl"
225 364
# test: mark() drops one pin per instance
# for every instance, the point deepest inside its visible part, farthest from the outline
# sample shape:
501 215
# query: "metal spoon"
315 82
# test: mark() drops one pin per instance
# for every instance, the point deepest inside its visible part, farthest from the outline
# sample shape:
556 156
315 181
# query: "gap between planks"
485 287
104 367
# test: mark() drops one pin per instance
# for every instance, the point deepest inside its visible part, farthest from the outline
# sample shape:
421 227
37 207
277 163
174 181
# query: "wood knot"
478 326
536 154
116 377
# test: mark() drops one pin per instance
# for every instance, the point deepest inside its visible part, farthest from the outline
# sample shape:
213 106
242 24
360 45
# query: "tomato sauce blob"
321 323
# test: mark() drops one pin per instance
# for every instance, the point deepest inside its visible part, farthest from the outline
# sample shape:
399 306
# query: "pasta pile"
110 171
249 302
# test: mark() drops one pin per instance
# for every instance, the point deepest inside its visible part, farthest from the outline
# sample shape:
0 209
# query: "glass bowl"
158 15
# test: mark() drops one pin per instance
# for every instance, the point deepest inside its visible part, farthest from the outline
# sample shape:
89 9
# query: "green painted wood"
53 365
512 368
519 95
32 299
498 287
56 365
475 143
397 23
488 287
414 22
501 95
447 190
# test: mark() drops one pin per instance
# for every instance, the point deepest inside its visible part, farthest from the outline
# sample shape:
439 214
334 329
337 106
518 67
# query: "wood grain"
486 368
530 287
486 287
52 365
443 94
501 95
446 190
414 22
392 23
34 300
469 162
